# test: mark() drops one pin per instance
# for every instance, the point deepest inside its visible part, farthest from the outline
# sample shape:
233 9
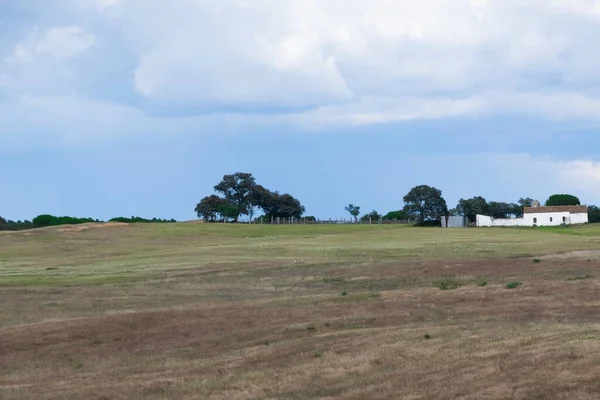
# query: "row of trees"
423 203
45 220
238 194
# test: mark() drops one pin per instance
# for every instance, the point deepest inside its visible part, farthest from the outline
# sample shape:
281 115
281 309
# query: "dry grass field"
197 311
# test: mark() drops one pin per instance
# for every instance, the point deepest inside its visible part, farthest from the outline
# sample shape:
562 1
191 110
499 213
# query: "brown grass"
278 326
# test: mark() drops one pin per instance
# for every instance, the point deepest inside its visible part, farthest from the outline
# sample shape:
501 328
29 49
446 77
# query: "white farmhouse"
541 216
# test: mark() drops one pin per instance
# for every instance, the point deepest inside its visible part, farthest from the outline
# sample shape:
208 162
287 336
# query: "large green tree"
277 205
237 190
425 203
471 207
208 208
562 200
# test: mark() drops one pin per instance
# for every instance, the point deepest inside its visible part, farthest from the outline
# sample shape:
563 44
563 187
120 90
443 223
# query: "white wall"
548 219
484 220
579 218
539 219
509 222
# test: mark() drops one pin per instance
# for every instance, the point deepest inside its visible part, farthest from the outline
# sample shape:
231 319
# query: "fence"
277 221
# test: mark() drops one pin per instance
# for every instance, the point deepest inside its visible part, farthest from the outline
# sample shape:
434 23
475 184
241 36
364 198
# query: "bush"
448 285
133 220
513 285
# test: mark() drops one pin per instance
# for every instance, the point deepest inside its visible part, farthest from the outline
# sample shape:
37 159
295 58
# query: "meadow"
214 311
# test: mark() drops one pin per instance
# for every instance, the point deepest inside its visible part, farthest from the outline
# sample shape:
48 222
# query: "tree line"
46 220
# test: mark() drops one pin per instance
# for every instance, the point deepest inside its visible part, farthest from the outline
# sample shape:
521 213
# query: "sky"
139 107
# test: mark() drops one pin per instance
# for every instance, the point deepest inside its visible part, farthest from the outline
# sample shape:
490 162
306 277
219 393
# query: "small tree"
395 215
562 200
593 214
208 208
353 210
372 216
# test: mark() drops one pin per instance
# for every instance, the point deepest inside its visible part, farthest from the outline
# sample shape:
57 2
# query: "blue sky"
139 107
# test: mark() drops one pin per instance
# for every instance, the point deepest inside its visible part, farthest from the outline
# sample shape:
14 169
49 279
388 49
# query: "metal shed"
454 221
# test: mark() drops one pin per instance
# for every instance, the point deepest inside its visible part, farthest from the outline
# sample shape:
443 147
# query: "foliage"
471 207
208 208
513 285
241 195
237 190
50 220
424 203
133 220
228 211
372 216
448 285
593 214
562 200
9 225
499 209
395 215
353 210
579 278
276 205
526 202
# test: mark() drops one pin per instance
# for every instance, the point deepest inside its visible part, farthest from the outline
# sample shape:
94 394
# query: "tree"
424 203
228 211
237 190
276 205
372 216
208 208
395 215
562 200
498 209
353 210
471 207
593 214
526 202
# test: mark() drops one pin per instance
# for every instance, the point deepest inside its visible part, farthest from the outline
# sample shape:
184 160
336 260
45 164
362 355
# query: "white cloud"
342 62
59 43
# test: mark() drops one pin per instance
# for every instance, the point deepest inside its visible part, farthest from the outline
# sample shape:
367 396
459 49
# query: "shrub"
537 260
482 283
579 278
448 285
427 336
513 285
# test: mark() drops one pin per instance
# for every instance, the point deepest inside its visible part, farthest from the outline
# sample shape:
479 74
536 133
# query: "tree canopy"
562 200
353 210
241 195
395 215
372 216
424 203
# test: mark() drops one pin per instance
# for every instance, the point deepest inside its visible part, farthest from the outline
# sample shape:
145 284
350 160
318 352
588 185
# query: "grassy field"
195 311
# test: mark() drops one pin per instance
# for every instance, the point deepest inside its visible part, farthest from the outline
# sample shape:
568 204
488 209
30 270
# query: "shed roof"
553 209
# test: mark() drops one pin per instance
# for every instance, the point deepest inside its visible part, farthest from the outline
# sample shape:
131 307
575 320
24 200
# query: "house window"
550 219
535 220
564 219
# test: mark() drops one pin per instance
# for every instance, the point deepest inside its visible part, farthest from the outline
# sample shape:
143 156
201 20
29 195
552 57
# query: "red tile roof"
553 209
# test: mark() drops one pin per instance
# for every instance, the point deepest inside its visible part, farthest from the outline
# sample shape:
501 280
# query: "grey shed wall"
454 222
